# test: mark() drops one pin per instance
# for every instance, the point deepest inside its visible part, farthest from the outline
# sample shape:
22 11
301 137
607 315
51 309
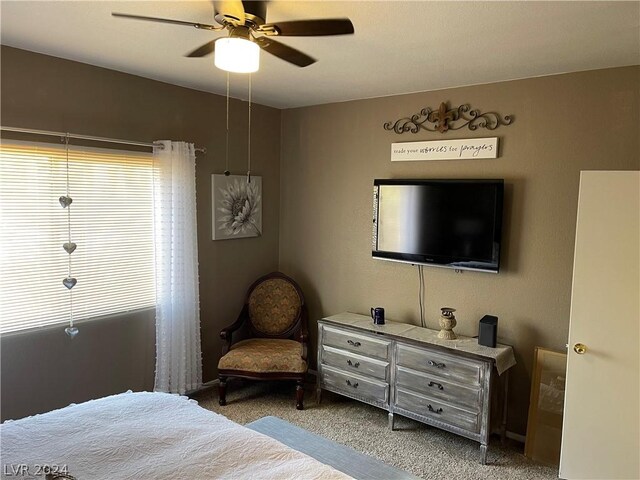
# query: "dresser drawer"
364 345
437 410
352 362
434 386
357 385
442 365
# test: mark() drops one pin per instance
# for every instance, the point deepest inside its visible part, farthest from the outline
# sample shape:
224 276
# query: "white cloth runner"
502 354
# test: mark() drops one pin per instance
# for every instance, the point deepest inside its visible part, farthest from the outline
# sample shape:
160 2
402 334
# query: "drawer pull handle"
355 344
436 364
435 384
433 410
354 385
351 364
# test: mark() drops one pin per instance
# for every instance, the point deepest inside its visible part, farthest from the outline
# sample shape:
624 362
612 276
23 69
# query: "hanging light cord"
226 155
249 139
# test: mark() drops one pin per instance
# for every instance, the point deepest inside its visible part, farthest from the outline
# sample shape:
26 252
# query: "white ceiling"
398 46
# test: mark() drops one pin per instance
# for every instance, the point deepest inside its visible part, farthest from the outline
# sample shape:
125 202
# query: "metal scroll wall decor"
444 119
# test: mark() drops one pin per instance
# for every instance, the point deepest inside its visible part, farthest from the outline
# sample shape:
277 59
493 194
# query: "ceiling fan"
246 20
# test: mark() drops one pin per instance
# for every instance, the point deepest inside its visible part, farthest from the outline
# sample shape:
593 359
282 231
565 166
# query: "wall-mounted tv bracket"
444 119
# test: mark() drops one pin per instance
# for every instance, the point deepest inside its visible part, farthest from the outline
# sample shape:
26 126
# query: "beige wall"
42 370
42 92
317 216
563 124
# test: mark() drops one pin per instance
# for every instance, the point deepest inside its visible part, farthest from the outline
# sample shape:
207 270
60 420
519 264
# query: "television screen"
451 223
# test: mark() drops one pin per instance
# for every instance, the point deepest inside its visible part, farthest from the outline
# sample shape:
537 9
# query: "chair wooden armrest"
226 334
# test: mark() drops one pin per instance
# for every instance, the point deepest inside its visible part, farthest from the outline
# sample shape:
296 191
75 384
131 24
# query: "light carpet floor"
424 451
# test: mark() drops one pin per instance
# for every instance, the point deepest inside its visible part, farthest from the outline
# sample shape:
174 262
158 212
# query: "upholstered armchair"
275 318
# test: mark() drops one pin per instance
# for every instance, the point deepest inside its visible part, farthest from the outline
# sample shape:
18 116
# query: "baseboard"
205 386
516 436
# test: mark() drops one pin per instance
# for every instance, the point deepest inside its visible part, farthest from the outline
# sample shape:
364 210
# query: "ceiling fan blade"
203 50
284 52
202 26
231 10
311 28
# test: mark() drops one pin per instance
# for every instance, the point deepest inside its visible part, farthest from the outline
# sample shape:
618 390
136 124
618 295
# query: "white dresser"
455 385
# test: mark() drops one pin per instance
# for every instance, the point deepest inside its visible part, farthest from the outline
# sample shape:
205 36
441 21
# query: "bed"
147 436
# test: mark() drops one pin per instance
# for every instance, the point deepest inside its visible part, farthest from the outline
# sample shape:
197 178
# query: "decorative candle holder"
447 323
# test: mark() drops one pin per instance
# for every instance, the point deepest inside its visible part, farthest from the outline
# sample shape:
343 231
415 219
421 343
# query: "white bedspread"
152 436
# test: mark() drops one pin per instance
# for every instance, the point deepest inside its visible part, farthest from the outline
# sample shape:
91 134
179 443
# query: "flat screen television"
446 223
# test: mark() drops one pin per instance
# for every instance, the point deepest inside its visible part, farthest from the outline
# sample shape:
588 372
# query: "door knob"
580 348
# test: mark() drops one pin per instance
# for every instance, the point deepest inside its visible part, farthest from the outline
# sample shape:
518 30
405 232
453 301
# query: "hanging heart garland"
71 331
69 247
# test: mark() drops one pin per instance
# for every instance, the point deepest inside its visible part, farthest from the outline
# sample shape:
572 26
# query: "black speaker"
488 331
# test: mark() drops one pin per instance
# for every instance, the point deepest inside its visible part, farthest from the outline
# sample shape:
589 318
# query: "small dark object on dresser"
488 331
377 313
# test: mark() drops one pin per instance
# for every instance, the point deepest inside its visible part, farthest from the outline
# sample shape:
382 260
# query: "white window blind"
111 222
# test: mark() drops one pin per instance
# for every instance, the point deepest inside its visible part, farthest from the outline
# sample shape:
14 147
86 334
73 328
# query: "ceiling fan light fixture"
237 55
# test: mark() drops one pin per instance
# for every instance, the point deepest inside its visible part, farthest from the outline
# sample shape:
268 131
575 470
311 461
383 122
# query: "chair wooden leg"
222 391
299 394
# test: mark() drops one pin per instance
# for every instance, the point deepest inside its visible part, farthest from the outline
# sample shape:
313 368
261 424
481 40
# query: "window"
111 222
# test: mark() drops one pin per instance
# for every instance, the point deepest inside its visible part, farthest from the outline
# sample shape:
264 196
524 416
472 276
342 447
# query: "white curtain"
178 352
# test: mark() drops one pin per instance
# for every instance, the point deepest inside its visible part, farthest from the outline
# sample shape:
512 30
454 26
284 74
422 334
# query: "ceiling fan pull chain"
226 153
249 140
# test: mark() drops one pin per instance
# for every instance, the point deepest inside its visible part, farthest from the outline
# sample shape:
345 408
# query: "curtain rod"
88 137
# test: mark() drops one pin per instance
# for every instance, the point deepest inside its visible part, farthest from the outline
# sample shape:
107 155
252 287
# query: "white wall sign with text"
471 148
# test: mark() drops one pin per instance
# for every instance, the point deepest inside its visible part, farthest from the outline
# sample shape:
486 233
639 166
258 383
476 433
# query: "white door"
601 428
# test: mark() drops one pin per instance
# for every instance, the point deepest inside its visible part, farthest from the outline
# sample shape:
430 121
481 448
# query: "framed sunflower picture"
237 206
